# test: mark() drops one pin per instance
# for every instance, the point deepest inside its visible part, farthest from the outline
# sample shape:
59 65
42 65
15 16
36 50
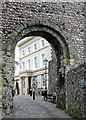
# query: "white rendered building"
32 53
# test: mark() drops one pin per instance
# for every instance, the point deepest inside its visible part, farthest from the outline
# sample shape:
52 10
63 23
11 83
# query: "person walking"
17 88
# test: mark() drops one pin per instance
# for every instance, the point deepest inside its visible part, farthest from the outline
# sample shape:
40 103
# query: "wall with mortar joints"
1 62
0 93
74 24
40 1
69 17
76 95
7 74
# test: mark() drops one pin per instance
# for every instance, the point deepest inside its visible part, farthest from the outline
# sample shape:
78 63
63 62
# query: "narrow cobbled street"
26 107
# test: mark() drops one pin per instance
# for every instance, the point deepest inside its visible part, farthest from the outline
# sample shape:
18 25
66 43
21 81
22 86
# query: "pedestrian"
17 88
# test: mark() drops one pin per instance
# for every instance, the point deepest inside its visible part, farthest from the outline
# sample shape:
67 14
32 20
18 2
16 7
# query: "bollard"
33 95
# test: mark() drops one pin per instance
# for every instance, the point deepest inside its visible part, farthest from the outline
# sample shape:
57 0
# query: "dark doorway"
17 88
29 81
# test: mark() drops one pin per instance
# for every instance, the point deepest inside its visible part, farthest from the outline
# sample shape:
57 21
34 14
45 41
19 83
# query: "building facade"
32 53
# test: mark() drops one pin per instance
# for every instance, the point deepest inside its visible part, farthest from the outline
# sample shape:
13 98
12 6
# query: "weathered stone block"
61 23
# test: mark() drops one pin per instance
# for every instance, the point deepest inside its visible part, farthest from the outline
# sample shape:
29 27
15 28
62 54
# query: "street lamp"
34 87
45 63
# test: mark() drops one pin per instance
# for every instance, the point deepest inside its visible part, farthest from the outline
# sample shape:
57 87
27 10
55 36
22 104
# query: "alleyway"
25 107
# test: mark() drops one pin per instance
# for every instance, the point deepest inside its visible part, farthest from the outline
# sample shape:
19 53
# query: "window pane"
43 42
42 58
35 81
29 64
35 46
35 62
23 52
43 80
28 49
23 83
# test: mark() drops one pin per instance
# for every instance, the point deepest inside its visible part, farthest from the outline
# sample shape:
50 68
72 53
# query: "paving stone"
26 107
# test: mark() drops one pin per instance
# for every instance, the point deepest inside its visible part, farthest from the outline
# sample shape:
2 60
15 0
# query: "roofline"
24 40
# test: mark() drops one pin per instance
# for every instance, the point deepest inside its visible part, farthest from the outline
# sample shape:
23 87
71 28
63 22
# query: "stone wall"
20 19
76 95
57 81
0 93
69 17
45 1
52 73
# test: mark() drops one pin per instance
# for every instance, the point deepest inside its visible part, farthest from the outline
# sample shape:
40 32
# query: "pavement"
26 107
0 115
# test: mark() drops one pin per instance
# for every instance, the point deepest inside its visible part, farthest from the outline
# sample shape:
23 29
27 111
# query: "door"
29 81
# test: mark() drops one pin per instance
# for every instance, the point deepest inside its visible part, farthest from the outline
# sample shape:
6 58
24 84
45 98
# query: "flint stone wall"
52 73
76 95
69 17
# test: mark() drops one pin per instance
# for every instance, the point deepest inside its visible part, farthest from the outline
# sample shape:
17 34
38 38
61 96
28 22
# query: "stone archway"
20 19
50 32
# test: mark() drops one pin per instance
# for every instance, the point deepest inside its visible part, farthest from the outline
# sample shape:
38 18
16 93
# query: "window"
28 49
35 81
23 84
35 62
42 59
42 43
23 65
35 46
29 64
43 79
23 52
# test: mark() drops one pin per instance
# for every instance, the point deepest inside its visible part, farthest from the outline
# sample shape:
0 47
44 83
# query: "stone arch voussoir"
34 26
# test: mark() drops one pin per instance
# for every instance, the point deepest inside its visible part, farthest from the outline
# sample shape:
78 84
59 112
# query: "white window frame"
41 42
35 62
43 79
23 65
34 46
29 49
23 52
41 60
23 83
29 64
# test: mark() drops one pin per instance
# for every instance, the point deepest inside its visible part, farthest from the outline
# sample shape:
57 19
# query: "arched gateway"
52 33
48 21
